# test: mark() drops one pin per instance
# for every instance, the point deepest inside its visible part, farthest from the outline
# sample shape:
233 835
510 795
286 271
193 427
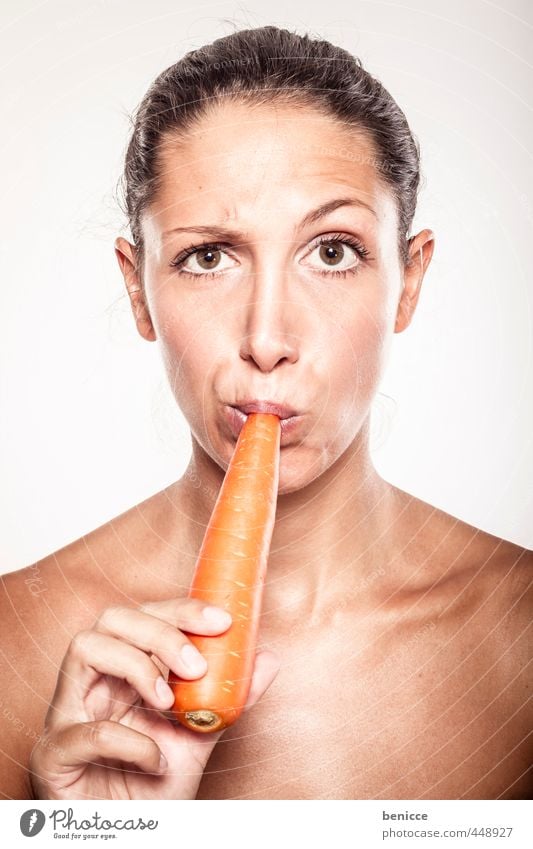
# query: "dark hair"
258 65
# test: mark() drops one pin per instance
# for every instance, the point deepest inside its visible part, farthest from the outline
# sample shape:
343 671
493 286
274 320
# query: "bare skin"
401 631
412 684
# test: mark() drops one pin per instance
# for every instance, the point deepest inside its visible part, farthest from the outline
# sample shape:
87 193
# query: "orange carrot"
230 573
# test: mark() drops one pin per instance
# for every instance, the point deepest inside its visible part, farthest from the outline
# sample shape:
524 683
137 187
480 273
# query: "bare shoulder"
500 570
32 630
43 606
509 589
514 566
455 554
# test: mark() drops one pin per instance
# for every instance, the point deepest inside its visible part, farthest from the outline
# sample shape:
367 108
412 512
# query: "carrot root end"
203 720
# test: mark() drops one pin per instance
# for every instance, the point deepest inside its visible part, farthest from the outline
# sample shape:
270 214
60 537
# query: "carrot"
230 573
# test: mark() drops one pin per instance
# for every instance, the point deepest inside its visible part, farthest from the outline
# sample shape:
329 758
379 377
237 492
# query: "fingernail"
217 616
163 763
163 690
193 659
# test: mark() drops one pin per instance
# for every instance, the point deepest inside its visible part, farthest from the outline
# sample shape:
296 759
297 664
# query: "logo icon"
31 822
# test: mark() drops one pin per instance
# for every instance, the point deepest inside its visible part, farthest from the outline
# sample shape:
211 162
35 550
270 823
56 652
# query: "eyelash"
351 241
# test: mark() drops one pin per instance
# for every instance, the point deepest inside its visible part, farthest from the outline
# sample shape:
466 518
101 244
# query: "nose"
269 335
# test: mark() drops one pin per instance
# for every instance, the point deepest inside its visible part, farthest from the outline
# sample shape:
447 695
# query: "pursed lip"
236 416
257 406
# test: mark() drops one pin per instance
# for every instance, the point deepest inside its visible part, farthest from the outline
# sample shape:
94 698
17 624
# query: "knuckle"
192 609
139 670
79 645
147 607
170 637
109 615
94 733
145 748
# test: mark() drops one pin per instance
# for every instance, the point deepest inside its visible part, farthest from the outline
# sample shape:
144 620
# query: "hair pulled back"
260 65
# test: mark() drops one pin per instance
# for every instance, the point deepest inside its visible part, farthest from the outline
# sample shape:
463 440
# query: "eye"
201 260
337 254
334 253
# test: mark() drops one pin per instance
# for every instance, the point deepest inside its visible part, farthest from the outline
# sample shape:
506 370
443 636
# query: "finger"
163 638
89 742
91 655
190 614
267 666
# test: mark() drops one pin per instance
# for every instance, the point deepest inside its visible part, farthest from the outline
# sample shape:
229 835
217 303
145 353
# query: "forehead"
241 160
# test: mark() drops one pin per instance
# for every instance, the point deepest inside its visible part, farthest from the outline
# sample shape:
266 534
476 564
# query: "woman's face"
272 272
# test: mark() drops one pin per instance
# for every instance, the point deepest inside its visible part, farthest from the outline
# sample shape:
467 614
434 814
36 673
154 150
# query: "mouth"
236 415
255 406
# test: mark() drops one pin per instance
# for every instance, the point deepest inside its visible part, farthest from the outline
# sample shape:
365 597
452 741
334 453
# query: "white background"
89 427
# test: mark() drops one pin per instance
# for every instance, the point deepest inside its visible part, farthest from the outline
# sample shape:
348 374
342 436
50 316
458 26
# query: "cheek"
188 346
355 359
357 354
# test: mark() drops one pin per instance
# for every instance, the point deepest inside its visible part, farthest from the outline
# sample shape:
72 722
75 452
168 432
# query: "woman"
270 184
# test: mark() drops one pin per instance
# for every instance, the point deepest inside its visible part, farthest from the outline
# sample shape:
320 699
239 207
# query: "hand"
106 735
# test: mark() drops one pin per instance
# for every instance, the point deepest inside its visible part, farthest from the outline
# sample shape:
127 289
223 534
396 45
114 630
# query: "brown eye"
334 256
203 261
208 258
331 252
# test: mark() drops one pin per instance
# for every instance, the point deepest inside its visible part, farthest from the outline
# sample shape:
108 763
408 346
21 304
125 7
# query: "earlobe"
141 314
125 254
404 313
420 253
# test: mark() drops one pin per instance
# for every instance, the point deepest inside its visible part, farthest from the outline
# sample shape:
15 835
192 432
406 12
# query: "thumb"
267 666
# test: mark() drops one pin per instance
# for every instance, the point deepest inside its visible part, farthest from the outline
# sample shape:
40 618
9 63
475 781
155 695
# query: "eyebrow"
311 217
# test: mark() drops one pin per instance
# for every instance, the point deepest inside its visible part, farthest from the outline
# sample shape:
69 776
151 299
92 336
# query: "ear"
126 256
420 252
